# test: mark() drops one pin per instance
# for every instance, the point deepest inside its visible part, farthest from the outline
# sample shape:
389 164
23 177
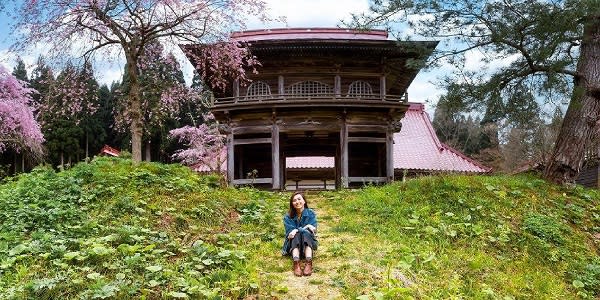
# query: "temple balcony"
290 100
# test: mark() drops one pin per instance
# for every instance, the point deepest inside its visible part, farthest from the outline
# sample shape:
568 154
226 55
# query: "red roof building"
110 151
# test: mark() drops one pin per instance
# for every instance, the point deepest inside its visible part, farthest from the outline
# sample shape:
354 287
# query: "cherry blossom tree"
163 91
205 145
18 127
125 27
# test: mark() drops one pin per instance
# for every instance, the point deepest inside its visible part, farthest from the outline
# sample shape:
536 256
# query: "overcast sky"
305 13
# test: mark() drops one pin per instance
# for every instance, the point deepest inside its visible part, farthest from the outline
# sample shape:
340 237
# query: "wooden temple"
331 92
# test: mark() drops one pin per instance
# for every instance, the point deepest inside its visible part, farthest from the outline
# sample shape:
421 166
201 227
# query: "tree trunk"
135 112
583 114
87 145
148 150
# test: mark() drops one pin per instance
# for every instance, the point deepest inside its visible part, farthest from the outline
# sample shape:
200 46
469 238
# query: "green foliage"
110 229
545 228
472 237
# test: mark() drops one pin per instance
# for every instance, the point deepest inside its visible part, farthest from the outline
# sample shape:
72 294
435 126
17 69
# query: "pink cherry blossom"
18 127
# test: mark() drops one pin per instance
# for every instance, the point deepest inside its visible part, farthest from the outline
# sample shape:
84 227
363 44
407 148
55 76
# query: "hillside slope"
110 230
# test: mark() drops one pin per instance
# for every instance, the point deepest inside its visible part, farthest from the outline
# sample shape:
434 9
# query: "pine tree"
20 72
94 133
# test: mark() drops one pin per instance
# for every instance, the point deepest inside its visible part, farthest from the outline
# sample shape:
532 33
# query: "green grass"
111 230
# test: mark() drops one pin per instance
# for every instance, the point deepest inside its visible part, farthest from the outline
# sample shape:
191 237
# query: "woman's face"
298 202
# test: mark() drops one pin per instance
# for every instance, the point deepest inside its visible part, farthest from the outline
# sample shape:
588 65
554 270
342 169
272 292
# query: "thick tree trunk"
135 112
583 114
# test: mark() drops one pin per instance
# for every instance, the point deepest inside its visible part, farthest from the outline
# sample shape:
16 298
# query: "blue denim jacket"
308 217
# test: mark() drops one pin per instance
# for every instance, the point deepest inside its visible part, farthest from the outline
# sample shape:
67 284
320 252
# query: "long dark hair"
292 211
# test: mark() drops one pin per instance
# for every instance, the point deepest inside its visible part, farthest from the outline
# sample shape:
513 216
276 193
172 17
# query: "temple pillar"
281 85
236 89
382 87
275 156
230 159
344 153
389 154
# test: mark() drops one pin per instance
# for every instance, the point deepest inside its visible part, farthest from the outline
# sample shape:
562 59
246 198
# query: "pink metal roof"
108 150
310 162
308 33
417 147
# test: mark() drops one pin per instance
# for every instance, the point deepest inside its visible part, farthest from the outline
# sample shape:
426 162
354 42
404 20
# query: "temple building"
333 98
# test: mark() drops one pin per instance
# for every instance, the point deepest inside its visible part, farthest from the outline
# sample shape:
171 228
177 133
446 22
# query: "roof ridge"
465 157
430 129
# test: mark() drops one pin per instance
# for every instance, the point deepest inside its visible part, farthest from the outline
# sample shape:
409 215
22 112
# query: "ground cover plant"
109 229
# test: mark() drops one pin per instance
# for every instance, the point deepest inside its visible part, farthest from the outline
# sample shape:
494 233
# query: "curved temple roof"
417 147
308 33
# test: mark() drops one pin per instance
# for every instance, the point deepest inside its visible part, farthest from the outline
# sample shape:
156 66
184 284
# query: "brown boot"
308 268
297 269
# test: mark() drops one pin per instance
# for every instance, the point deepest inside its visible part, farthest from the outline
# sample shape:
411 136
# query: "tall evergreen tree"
42 77
20 72
67 113
94 133
60 129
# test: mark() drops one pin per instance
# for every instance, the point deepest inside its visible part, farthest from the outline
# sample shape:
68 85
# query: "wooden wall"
588 176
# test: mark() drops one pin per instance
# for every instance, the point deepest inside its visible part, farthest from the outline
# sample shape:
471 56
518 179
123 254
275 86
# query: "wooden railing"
308 98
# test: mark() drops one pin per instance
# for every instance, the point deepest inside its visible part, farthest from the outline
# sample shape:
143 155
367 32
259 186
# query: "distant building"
109 151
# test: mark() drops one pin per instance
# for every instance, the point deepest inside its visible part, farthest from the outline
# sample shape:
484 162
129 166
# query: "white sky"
305 13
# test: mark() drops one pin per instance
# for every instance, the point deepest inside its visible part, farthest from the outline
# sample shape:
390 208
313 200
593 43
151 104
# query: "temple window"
308 88
360 88
258 90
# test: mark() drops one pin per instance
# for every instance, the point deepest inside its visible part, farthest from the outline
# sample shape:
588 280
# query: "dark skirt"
301 240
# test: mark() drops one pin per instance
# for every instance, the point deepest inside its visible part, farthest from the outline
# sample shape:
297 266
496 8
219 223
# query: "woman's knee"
307 235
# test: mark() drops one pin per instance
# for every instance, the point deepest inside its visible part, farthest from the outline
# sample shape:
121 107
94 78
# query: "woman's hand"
312 229
292 234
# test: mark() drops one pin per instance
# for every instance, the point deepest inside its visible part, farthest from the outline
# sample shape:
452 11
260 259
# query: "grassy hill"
109 230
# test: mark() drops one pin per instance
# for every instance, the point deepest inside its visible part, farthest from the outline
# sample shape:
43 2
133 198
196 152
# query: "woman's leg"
308 266
296 243
296 254
307 242
307 253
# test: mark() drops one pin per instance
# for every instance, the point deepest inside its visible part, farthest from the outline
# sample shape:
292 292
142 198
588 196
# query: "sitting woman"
300 234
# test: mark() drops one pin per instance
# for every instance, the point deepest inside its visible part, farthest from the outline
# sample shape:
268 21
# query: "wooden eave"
302 105
388 58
